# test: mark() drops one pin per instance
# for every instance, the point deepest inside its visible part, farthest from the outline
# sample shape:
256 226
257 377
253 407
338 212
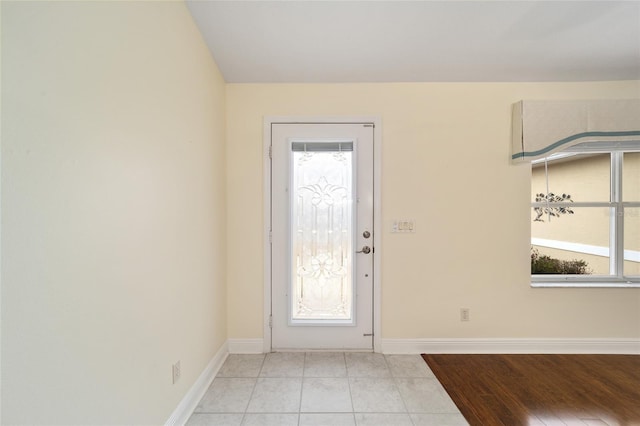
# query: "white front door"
322 236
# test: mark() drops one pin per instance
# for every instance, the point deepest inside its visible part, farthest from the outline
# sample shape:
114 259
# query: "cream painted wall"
113 217
446 164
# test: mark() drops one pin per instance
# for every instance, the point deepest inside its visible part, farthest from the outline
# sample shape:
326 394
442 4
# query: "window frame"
616 220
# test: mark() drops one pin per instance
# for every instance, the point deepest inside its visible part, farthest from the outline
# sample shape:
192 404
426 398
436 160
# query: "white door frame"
377 212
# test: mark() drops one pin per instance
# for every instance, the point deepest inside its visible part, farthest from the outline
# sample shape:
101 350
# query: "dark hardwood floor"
530 390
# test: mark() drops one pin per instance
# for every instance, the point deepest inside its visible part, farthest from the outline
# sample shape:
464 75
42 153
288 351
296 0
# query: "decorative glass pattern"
322 233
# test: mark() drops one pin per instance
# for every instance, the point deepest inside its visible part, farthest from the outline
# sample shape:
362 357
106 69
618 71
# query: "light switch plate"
403 226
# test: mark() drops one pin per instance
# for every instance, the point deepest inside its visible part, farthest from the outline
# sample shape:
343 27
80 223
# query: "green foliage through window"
543 264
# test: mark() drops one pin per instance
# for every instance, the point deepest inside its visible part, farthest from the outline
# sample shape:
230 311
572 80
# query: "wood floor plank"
542 389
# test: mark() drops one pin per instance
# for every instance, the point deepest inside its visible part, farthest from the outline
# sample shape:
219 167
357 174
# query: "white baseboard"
190 401
511 346
246 346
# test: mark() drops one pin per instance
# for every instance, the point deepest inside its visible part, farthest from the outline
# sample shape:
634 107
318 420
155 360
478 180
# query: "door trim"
377 211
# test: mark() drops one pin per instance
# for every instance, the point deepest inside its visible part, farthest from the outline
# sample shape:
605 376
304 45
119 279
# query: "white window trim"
601 283
617 278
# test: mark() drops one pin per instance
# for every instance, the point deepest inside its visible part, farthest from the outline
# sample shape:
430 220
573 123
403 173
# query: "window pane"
579 236
632 241
584 177
322 235
631 176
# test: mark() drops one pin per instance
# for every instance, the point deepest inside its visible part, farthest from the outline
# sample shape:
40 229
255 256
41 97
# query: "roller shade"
321 146
541 128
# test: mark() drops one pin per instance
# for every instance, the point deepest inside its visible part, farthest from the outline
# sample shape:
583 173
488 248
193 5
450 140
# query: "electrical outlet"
176 372
464 314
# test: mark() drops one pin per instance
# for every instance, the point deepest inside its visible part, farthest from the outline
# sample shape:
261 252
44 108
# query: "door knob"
365 250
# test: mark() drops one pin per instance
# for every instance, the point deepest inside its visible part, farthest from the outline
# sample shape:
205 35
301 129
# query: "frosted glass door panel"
322 232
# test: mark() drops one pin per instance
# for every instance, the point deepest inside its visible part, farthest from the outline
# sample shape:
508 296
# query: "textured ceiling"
399 41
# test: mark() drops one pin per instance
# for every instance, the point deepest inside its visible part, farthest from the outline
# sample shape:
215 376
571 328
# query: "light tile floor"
326 389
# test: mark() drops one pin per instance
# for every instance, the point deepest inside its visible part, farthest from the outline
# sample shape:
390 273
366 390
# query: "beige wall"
113 218
446 164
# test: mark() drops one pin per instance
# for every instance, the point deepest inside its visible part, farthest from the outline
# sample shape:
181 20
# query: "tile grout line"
395 383
346 369
244 415
304 364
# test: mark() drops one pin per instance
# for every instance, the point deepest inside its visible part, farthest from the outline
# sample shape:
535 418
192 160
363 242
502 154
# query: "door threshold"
320 350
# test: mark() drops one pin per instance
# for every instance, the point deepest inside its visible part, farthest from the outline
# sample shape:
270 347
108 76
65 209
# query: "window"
585 216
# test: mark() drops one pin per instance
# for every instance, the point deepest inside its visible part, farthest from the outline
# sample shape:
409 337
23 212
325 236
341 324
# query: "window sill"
586 284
